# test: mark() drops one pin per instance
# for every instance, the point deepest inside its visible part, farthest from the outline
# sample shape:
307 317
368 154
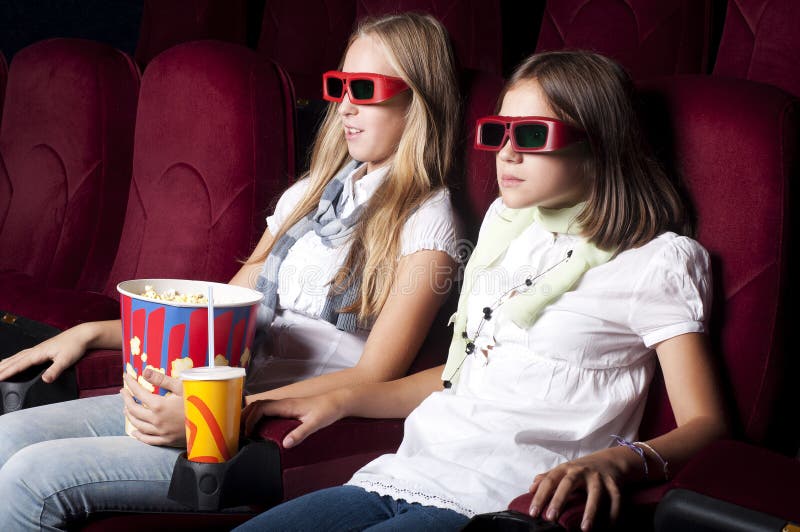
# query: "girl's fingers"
594 490
614 495
543 491
142 426
568 483
144 396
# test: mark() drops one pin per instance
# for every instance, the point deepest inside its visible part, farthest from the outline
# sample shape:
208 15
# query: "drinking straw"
210 326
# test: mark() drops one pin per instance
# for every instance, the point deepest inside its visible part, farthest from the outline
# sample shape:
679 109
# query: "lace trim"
443 502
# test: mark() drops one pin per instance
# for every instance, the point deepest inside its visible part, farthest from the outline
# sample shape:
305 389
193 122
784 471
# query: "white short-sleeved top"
300 345
530 399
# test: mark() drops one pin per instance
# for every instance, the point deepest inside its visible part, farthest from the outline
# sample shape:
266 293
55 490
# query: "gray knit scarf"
334 231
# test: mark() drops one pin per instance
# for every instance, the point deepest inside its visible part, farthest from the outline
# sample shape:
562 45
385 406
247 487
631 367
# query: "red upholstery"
749 476
165 24
306 54
649 37
3 79
760 43
210 152
66 144
474 26
734 143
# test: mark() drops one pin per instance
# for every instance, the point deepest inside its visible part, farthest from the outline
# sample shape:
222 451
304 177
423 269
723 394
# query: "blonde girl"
355 262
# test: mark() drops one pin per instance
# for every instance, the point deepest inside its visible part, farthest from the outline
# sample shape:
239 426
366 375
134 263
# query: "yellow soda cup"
212 400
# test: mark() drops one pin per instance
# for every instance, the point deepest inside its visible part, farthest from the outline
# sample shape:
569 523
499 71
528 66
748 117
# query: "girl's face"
550 179
372 131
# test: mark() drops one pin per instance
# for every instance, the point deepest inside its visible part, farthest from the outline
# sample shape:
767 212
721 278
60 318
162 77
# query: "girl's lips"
351 132
509 181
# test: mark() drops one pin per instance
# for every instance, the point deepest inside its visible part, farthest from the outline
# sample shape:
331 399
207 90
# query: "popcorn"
144 358
220 360
245 358
180 364
173 295
136 344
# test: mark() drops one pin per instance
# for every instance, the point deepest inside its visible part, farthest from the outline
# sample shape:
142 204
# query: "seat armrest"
346 437
745 475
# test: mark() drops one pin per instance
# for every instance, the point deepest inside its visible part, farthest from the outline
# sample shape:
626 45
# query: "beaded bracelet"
635 448
664 463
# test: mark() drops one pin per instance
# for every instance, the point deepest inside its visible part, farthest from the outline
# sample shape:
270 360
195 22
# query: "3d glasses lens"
530 135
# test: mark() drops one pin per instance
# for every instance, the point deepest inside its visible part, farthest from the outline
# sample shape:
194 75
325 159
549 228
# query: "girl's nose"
508 154
346 107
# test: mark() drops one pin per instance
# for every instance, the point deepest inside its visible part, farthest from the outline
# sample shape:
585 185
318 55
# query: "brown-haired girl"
577 288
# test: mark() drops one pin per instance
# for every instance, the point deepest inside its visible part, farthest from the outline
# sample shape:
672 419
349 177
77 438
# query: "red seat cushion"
166 24
648 37
759 42
66 145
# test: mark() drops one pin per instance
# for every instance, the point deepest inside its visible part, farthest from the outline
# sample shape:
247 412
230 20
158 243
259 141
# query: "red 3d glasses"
528 134
361 87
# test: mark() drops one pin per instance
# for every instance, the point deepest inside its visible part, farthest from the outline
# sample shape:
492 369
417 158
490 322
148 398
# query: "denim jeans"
66 460
353 508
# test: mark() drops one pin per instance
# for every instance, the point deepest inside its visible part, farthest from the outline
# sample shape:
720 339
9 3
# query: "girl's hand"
314 412
63 350
599 474
158 420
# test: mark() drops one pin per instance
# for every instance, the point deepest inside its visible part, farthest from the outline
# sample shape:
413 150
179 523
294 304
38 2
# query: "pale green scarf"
524 308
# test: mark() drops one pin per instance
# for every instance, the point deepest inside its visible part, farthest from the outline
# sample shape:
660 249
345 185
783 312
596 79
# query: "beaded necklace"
526 285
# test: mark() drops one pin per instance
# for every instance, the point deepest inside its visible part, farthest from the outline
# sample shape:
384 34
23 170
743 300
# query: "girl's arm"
420 287
393 399
699 413
64 349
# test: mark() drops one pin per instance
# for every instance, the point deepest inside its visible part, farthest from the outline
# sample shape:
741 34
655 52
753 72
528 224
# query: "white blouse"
300 345
530 399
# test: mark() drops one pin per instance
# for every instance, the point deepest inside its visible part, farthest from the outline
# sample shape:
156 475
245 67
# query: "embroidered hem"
410 495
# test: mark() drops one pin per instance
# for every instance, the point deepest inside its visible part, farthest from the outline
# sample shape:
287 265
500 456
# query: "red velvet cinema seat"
649 37
734 144
760 42
165 24
66 145
210 152
3 78
307 38
474 26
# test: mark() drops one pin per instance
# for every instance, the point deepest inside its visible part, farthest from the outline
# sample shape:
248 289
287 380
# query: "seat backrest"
211 149
734 144
165 24
475 26
760 42
66 145
307 38
3 79
649 37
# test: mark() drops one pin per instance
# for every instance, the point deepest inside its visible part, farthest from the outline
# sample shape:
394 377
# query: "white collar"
360 185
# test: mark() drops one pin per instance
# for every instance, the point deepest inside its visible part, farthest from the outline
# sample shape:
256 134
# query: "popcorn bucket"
170 336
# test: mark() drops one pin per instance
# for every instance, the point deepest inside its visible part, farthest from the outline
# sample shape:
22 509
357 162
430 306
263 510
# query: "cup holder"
252 477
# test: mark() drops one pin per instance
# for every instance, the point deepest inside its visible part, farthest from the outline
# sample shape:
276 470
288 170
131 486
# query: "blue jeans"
66 460
353 508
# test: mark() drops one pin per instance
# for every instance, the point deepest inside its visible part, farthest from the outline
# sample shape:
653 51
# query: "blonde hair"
417 47
631 200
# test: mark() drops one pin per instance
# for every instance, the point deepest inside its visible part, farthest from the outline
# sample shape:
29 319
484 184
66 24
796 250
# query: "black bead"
487 313
470 348
528 282
569 253
464 335
447 384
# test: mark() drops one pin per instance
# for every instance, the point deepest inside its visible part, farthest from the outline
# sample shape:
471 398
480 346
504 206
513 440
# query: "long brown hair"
630 200
418 48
